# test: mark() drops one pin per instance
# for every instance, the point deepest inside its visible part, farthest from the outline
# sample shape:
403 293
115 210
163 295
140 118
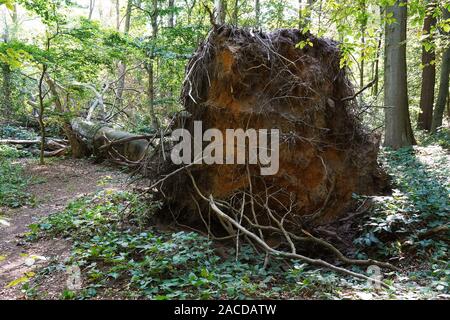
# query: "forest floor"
73 229
52 187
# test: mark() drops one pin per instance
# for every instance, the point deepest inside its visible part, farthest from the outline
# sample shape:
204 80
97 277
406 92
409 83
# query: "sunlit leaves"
14 58
8 3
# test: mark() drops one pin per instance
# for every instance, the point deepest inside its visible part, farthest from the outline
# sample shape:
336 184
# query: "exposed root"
234 226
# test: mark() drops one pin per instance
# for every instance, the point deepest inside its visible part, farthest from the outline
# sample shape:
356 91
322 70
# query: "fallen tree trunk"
54 147
51 143
20 142
106 142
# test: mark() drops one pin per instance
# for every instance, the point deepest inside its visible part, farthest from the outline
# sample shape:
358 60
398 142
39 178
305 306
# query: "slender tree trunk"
438 113
150 68
398 126
376 68
300 14
236 12
122 65
128 17
448 104
376 63
41 114
117 6
151 95
308 17
91 8
258 13
363 26
220 10
171 14
428 73
6 98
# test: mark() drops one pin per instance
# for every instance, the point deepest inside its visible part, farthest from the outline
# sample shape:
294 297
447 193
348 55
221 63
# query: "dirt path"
54 185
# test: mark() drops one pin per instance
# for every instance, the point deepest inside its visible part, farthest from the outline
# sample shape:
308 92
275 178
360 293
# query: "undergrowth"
441 138
13 184
114 246
15 132
411 224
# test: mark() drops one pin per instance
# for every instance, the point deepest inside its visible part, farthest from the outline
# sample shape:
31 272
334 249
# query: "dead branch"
290 255
370 84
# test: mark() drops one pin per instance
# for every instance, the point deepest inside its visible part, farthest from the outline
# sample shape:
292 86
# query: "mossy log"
106 142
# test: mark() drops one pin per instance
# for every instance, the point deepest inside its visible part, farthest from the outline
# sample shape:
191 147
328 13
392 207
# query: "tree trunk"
117 6
308 17
258 13
443 85
236 12
41 113
91 8
376 65
6 98
151 95
122 65
106 142
220 10
398 131
428 73
363 25
150 69
448 104
171 14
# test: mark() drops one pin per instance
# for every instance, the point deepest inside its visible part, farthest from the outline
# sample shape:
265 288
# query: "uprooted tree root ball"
285 80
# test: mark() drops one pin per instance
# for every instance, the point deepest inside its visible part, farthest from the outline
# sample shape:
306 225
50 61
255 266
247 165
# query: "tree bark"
376 64
106 142
171 14
258 12
398 131
6 98
428 73
363 26
41 114
236 12
220 8
443 85
150 68
91 8
117 6
122 65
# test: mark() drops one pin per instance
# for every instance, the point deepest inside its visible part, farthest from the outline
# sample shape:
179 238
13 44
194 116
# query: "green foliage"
111 250
8 3
441 138
402 224
90 215
47 10
13 184
14 132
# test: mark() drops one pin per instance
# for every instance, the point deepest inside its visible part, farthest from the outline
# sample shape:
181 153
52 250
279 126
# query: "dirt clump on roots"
285 80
